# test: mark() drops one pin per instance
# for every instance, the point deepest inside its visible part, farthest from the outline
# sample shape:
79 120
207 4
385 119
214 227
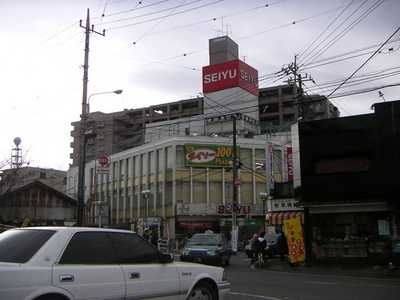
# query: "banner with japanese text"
295 240
209 156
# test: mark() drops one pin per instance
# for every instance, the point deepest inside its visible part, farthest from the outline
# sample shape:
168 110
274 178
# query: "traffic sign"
238 181
104 159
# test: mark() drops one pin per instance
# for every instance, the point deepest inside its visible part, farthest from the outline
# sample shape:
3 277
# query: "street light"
84 136
145 194
264 197
87 108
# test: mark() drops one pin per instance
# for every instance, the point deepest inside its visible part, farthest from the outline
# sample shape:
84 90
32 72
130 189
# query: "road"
249 283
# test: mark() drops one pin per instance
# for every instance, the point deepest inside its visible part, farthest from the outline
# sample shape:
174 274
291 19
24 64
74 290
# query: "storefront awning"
278 217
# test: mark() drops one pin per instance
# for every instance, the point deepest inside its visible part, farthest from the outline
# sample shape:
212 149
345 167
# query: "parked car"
65 263
207 248
272 248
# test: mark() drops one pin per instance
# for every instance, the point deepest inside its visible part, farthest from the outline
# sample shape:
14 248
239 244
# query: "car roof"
207 234
72 229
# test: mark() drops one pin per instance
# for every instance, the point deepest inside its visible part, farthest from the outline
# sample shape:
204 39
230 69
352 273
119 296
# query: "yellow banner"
295 241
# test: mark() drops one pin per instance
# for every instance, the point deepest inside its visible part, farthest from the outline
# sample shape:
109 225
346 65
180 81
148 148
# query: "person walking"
283 246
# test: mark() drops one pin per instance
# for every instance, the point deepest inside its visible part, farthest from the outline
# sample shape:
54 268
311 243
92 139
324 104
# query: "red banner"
195 224
289 159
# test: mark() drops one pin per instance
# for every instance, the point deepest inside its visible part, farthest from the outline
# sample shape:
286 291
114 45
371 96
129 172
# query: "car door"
89 268
145 274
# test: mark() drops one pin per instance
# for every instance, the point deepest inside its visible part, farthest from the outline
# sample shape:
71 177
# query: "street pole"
82 137
234 189
264 197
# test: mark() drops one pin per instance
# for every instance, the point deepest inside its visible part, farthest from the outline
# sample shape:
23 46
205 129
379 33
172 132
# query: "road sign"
104 159
238 181
102 212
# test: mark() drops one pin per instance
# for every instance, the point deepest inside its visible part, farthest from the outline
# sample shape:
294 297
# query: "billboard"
229 74
209 156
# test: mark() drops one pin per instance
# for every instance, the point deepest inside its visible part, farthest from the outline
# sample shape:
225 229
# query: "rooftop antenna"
381 95
226 26
16 157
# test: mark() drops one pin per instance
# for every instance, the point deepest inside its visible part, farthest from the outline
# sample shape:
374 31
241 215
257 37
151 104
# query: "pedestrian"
154 237
251 243
282 244
259 247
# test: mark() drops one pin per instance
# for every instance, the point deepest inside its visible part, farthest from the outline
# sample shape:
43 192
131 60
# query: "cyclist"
259 247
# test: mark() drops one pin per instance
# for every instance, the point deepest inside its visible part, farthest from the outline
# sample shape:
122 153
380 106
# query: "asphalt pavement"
355 270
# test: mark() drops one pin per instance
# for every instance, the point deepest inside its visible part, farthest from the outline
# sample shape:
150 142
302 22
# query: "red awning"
278 217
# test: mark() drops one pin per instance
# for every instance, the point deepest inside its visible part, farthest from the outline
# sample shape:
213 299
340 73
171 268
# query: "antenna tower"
16 157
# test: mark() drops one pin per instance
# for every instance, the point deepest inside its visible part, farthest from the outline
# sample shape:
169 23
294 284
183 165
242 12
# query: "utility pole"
88 30
297 89
83 137
234 236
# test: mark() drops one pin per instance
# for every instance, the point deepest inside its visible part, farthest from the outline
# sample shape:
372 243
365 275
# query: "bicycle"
260 261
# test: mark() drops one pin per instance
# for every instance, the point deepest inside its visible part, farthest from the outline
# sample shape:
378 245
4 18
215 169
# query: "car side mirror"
167 258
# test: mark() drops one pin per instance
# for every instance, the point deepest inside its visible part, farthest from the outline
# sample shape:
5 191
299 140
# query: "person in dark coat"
259 247
283 246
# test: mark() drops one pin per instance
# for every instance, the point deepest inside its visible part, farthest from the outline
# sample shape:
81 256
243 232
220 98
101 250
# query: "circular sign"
238 181
104 159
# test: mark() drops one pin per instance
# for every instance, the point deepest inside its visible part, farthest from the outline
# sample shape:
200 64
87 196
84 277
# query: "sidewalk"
333 269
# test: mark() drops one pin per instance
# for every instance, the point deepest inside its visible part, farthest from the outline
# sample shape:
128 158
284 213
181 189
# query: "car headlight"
211 253
185 252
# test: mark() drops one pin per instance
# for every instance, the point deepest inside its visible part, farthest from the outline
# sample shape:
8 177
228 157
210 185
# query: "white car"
65 263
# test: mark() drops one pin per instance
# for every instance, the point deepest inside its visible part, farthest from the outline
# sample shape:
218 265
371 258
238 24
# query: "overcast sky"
155 50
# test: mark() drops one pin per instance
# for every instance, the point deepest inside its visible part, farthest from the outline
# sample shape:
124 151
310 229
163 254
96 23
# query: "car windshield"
18 246
205 240
271 239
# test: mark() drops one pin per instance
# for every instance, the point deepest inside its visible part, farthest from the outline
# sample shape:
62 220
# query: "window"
42 175
121 169
133 249
100 136
89 248
24 244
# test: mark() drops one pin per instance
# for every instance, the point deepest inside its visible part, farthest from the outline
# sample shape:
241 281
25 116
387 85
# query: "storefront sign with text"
226 75
209 156
228 208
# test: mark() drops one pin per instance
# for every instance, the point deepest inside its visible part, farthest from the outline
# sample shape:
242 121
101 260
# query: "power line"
371 57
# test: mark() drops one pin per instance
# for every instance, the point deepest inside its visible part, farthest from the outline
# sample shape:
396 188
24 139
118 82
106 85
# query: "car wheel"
227 262
51 297
203 291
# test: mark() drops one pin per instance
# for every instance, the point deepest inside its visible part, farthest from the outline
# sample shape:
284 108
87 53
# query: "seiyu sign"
202 209
230 74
